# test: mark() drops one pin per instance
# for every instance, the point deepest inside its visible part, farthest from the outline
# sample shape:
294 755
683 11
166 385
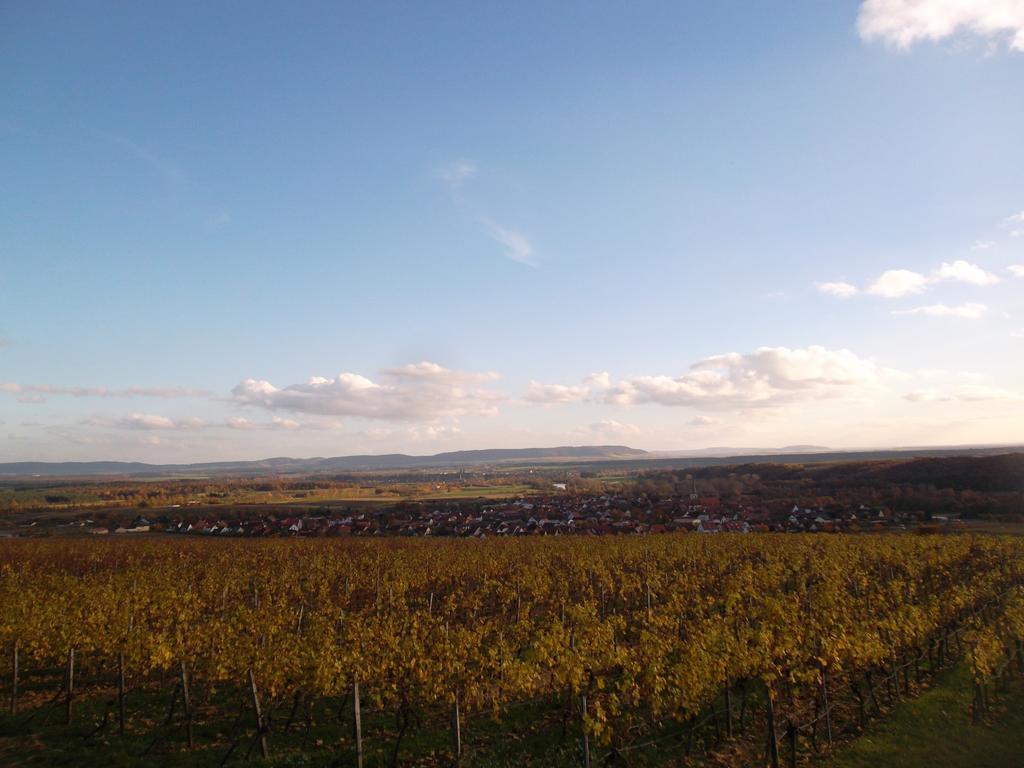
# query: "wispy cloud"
611 428
276 423
703 421
965 311
145 421
1015 224
159 165
128 392
516 244
974 393
148 422
1017 270
457 173
552 394
840 290
903 23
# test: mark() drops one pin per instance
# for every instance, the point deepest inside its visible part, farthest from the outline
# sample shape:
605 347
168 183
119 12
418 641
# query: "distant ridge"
619 457
318 464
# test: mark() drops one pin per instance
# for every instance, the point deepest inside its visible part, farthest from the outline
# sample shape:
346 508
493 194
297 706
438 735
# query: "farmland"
630 649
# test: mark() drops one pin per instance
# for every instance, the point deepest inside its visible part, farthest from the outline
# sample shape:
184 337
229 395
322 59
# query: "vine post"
120 693
14 677
260 730
187 704
585 740
456 731
773 743
825 704
69 679
357 723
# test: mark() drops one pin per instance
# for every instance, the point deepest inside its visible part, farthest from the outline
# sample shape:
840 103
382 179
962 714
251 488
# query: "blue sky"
242 230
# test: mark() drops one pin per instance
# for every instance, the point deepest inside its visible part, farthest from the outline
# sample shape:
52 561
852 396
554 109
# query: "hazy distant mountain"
726 450
319 464
577 457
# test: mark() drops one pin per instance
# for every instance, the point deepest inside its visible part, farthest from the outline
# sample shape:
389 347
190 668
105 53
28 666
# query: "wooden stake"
773 745
187 703
728 709
260 730
70 689
586 738
14 678
357 722
120 693
824 701
456 731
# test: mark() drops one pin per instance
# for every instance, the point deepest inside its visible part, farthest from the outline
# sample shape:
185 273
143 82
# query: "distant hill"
864 467
319 464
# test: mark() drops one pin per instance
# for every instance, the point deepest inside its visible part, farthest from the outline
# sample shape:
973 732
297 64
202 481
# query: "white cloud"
1017 270
982 245
964 272
418 392
457 173
517 245
550 394
839 289
768 376
966 311
894 283
1018 334
902 23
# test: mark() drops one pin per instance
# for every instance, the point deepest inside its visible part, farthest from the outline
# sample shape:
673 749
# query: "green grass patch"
934 730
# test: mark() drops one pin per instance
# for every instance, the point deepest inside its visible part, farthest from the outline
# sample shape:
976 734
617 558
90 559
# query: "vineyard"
769 646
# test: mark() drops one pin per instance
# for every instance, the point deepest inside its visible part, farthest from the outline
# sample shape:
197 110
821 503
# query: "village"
546 515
